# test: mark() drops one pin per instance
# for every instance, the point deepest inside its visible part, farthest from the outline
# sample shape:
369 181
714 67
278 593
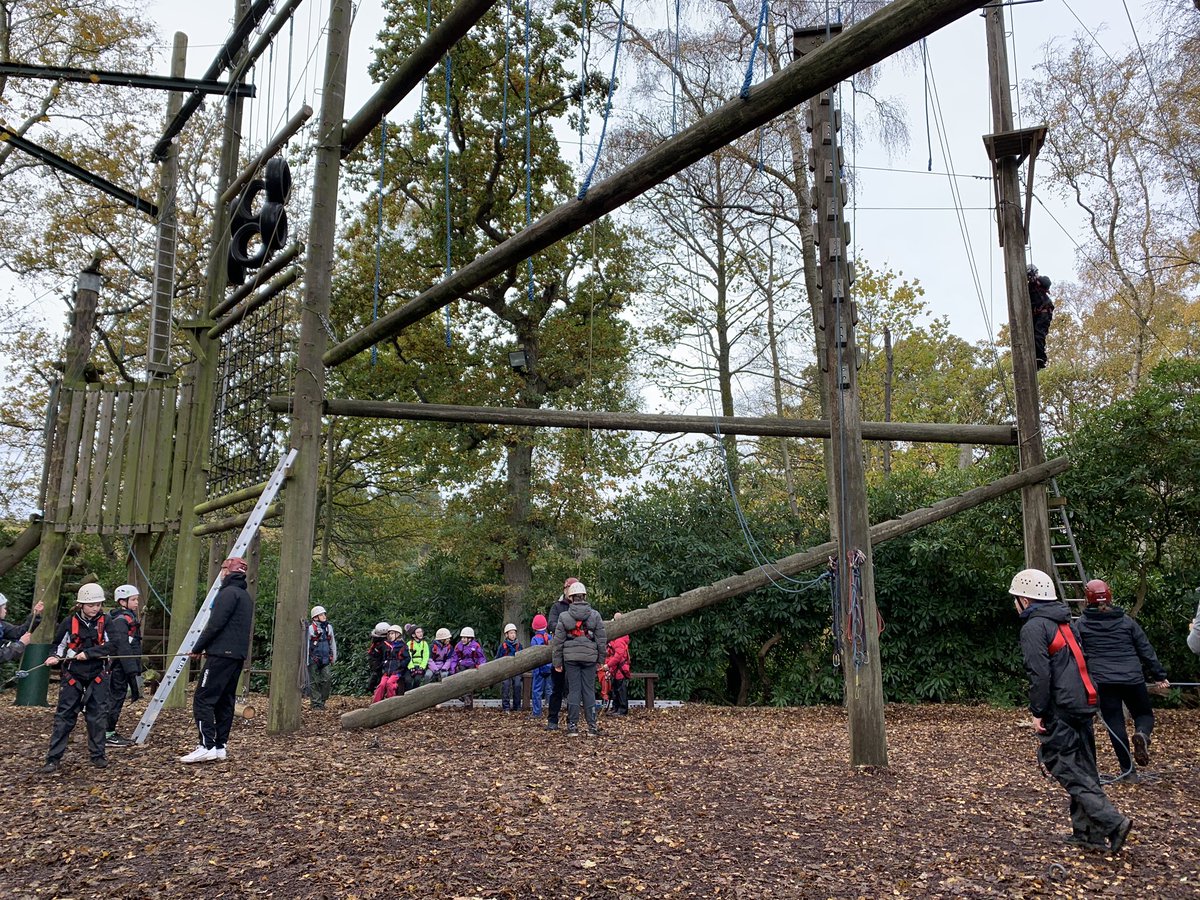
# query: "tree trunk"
518 574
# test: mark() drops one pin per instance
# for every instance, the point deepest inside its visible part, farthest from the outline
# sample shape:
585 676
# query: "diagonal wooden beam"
694 600
875 38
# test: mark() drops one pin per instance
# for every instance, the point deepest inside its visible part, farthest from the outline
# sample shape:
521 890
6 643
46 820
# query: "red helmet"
569 582
1097 592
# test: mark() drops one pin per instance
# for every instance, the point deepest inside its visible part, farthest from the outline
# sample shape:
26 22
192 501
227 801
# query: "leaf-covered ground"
690 802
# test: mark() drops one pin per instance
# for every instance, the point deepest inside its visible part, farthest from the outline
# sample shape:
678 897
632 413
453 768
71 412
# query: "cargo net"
256 363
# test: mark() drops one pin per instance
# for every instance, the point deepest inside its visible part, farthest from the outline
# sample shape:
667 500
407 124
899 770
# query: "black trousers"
92 698
1041 328
215 695
1137 698
1068 752
118 690
558 687
620 696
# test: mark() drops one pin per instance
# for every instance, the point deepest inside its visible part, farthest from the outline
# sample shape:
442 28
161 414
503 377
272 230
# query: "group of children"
400 659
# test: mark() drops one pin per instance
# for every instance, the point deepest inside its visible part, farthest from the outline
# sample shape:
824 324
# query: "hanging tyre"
247 248
279 179
273 226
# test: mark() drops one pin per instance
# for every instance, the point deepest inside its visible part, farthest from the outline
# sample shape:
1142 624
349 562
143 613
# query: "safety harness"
75 645
1066 638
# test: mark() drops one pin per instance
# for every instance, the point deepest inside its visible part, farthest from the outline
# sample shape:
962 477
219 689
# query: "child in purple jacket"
441 656
510 688
468 654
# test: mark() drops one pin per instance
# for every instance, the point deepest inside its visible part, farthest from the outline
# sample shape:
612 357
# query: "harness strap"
1066 638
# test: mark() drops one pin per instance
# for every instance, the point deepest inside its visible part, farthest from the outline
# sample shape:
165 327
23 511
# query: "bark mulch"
690 802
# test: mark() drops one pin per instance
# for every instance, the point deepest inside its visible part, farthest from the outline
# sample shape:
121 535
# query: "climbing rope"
612 83
762 18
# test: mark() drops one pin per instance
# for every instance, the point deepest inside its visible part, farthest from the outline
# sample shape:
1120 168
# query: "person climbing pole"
1042 311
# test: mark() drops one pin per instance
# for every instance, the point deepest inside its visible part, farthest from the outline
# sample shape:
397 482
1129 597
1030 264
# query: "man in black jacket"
82 645
126 630
1062 700
225 641
1117 650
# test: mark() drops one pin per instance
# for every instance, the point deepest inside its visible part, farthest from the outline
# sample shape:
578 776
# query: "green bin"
32 689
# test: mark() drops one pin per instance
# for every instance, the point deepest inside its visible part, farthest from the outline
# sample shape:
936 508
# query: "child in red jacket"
616 660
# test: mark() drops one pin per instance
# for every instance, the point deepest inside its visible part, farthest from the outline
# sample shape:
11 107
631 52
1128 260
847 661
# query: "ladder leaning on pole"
1069 573
189 641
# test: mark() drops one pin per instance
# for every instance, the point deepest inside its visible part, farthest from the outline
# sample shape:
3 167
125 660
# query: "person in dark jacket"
558 682
1042 311
82 644
11 651
375 656
579 646
225 642
1117 653
126 630
1062 700
11 632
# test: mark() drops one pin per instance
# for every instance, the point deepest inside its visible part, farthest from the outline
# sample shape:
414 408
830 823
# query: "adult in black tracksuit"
1118 652
126 629
1063 703
225 641
82 645
558 679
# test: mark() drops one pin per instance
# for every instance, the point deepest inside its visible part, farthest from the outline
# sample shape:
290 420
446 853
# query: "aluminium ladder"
1069 574
189 641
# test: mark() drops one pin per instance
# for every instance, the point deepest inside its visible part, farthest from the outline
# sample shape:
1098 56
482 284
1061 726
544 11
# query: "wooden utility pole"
1007 148
856 581
299 523
204 370
48 583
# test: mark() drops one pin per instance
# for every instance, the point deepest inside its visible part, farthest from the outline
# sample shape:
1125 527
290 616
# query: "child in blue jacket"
541 675
510 688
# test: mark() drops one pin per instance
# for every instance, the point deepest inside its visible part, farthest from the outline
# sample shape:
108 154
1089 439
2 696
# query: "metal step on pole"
189 641
1069 573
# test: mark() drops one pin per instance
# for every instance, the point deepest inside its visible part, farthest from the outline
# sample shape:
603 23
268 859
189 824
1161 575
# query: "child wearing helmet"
441 656
1062 699
82 645
322 654
418 653
510 688
11 632
395 664
1118 654
375 656
468 654
541 675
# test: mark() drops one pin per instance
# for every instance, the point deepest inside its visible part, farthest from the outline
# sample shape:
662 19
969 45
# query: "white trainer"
220 753
200 754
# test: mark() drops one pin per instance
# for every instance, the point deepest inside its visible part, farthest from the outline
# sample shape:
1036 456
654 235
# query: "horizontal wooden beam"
125 79
273 511
673 607
244 495
273 266
875 38
769 426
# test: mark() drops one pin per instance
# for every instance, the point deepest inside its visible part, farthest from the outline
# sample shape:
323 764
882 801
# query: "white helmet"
443 634
317 611
576 590
3 600
395 628
381 629
89 593
125 591
1034 584
467 632
509 627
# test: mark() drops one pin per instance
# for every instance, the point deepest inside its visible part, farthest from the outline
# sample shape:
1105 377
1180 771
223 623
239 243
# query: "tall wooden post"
204 372
48 583
1007 148
299 523
860 634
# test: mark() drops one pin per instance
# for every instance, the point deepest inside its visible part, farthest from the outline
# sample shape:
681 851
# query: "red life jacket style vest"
75 645
581 630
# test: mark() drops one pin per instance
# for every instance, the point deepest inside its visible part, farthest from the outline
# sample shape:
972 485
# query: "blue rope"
446 185
507 50
584 44
379 233
612 83
762 17
528 145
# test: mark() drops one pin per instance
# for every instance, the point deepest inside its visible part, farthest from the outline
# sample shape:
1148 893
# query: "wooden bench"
651 679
